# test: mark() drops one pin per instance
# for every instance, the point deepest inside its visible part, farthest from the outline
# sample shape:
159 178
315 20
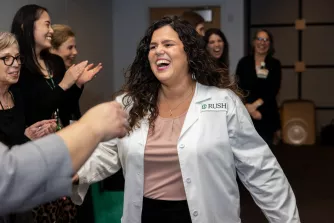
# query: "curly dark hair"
141 87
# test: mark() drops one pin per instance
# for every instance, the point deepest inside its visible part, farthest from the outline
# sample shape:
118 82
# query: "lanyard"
52 85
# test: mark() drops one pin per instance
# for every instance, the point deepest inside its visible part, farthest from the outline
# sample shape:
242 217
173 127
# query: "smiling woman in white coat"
190 136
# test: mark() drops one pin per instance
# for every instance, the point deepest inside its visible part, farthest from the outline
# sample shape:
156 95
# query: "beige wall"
317 83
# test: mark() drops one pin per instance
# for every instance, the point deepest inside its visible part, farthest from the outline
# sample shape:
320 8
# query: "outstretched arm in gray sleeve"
33 173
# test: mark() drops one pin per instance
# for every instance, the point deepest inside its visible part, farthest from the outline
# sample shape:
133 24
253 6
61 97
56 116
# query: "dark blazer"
266 89
40 101
12 127
12 123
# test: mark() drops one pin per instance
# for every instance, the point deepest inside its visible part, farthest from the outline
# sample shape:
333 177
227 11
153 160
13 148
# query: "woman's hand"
258 102
256 115
88 74
40 129
250 108
72 75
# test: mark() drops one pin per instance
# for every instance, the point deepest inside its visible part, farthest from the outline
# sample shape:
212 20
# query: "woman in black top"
44 98
259 76
64 45
13 129
48 89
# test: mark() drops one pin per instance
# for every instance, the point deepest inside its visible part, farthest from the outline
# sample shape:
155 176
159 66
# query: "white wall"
130 18
90 19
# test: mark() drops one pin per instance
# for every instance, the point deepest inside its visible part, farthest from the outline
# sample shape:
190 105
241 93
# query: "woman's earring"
193 76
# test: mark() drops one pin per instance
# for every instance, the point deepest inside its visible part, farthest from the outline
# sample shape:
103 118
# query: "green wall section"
108 206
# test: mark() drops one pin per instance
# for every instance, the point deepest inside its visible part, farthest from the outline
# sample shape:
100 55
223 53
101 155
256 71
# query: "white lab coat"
216 143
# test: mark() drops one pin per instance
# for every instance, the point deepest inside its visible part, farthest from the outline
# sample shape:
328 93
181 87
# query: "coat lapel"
144 127
201 94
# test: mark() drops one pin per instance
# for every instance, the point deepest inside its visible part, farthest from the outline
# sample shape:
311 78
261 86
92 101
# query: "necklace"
172 109
6 106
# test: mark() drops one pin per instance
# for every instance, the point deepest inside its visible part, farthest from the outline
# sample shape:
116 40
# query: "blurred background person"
64 45
259 76
217 46
196 20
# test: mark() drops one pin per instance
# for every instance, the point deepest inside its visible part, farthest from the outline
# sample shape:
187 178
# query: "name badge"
214 106
262 73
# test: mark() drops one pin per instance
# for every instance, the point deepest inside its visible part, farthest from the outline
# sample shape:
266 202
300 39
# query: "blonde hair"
60 34
7 39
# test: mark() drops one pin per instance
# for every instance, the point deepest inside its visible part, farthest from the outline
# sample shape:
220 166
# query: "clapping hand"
88 74
72 75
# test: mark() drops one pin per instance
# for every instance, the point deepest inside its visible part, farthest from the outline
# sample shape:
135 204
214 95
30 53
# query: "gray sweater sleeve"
34 173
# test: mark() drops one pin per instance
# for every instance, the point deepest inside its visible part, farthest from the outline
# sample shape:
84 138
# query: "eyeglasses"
9 60
262 39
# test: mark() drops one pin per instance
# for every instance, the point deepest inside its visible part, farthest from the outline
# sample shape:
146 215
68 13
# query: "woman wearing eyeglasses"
259 76
13 130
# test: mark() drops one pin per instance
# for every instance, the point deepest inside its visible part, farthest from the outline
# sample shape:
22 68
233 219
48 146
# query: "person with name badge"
190 135
259 76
